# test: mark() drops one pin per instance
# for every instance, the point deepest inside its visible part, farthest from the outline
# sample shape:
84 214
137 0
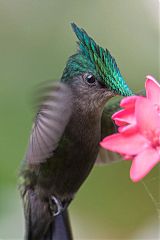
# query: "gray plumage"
64 142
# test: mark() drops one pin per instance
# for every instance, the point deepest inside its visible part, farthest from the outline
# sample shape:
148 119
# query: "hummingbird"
63 147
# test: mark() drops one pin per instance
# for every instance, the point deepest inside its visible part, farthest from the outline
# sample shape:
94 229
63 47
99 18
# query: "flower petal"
124 116
128 102
152 90
143 163
128 129
147 117
125 144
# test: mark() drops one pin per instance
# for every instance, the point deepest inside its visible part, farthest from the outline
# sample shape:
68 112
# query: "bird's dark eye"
90 79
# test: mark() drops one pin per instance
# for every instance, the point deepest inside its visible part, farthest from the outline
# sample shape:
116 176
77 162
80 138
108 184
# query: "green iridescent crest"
103 62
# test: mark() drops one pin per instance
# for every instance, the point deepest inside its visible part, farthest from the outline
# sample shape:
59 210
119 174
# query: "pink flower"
125 118
153 92
138 136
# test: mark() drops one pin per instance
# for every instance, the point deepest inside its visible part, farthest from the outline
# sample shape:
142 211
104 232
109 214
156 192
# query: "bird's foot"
57 206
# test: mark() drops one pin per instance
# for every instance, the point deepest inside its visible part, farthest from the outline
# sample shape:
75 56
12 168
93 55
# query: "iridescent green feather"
103 62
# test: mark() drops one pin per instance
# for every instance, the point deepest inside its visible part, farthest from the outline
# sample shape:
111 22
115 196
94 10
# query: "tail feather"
40 222
38 216
60 229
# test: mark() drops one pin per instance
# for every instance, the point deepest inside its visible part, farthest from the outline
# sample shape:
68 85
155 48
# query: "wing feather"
50 122
108 127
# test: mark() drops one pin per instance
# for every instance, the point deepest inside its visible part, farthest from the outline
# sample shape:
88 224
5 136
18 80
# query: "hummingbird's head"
92 71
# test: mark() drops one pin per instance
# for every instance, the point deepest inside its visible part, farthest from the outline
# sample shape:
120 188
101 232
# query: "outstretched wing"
108 127
50 122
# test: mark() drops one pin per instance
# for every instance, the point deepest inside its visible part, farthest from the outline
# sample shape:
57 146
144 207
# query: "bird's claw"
56 205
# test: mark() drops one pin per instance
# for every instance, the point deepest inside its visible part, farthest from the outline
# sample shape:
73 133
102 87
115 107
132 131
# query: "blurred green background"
35 42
